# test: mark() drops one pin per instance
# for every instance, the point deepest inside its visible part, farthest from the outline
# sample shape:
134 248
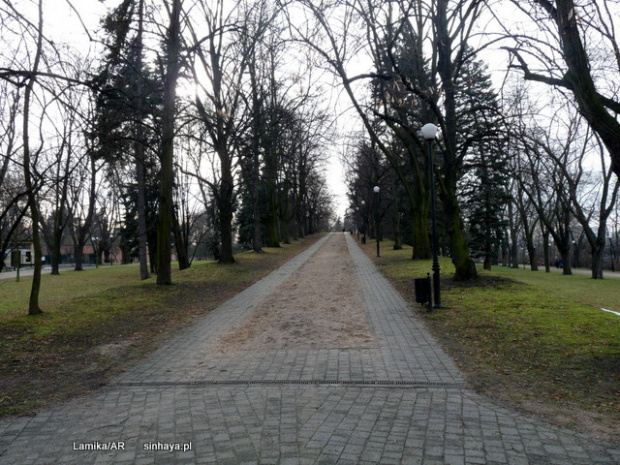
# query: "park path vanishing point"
399 400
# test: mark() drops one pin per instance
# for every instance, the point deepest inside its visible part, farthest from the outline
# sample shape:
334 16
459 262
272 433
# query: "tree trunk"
487 264
419 223
576 261
531 251
545 235
514 255
83 229
465 267
529 243
398 243
60 220
78 253
226 210
597 247
565 253
139 153
597 263
56 251
164 268
490 253
152 249
514 247
285 231
181 244
273 237
301 208
257 238
33 303
142 223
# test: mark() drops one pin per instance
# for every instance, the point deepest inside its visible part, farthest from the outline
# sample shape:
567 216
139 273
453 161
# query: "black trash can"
422 290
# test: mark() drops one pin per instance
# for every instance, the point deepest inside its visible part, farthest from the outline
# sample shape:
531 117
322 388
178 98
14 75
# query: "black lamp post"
377 191
95 241
429 132
364 222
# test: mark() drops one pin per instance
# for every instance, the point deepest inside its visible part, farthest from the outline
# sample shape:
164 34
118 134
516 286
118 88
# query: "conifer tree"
127 97
484 186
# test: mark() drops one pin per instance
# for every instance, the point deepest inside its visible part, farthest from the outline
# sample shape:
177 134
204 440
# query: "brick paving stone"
404 401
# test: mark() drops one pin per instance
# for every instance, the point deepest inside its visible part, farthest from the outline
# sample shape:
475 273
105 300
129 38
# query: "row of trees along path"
191 122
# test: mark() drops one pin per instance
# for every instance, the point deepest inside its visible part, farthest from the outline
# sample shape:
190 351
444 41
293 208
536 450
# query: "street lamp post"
95 241
429 132
377 191
363 222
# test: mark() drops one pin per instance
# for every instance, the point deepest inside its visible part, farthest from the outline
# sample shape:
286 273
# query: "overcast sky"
64 25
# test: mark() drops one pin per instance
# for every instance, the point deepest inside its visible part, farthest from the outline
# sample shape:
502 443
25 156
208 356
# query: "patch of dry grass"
98 322
534 340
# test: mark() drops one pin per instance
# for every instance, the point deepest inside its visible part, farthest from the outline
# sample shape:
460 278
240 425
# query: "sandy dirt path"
319 306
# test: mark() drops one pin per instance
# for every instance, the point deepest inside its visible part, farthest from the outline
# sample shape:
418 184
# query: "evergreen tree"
398 114
128 109
484 186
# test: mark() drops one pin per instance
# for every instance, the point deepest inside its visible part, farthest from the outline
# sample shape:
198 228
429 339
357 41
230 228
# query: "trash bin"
422 290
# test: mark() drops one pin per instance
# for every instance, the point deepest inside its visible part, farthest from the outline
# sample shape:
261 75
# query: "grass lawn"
98 322
535 340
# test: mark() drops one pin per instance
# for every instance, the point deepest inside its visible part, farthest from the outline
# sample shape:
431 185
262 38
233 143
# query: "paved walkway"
403 401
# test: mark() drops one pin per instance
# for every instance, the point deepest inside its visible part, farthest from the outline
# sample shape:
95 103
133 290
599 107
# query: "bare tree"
12 192
542 180
579 53
218 106
66 157
589 194
84 204
185 218
311 136
529 221
220 61
513 231
33 304
42 70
